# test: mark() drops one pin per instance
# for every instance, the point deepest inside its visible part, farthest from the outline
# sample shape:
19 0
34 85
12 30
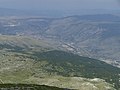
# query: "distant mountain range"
95 36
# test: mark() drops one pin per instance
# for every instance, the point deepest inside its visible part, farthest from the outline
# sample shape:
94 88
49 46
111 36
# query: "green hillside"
19 63
68 64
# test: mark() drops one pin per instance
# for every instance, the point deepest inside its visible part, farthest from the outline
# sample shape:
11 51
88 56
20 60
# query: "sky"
60 8
60 4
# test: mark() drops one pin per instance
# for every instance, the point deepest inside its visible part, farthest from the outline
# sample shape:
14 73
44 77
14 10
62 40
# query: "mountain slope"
95 36
37 65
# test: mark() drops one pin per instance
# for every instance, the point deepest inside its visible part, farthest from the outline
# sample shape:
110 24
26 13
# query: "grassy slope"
21 64
68 64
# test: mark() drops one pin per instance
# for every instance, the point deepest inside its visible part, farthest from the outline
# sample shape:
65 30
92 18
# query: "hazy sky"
60 4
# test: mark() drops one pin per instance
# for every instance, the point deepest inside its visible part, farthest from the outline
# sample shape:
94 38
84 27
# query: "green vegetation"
68 64
37 65
27 87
